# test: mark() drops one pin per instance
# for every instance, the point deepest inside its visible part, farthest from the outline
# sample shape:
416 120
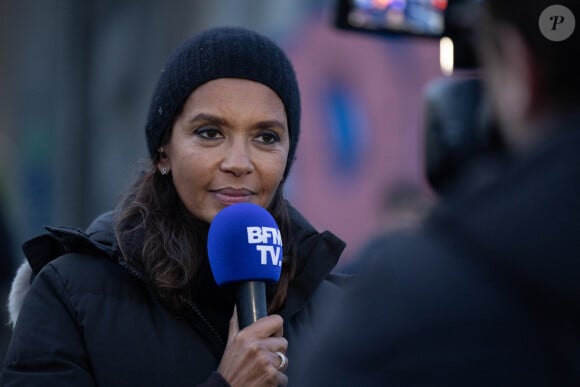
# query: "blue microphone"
244 246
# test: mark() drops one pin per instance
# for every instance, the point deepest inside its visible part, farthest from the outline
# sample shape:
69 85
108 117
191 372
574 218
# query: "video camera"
459 130
450 21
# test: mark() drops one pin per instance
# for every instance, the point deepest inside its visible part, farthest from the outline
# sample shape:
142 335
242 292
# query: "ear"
514 85
520 80
163 165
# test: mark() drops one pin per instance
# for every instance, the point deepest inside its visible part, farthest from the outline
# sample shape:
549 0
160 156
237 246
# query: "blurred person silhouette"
132 300
405 204
486 293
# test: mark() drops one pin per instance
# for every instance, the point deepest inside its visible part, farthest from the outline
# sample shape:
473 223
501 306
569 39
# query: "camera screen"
406 17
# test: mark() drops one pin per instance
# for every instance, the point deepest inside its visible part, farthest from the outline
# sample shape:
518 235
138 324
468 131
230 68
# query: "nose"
237 159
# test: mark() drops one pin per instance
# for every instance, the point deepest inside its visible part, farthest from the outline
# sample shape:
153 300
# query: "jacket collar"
318 254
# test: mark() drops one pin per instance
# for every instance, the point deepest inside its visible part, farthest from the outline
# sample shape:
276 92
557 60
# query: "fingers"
269 326
282 379
255 355
281 364
265 334
269 331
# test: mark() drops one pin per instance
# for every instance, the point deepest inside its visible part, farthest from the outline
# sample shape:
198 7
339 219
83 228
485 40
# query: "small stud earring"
164 171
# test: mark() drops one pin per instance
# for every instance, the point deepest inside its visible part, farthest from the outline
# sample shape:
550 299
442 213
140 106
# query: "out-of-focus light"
368 4
381 4
399 4
439 4
357 19
446 55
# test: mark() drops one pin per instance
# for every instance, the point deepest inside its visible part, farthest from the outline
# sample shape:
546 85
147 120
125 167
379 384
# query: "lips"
228 196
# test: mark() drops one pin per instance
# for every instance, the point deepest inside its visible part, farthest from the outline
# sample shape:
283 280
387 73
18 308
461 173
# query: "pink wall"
354 149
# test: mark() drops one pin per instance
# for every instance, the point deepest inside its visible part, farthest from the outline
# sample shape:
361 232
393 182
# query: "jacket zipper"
220 340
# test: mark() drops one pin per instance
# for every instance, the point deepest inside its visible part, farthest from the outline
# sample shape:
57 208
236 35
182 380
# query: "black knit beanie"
224 52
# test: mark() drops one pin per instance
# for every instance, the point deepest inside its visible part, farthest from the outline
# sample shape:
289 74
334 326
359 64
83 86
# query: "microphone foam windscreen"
244 244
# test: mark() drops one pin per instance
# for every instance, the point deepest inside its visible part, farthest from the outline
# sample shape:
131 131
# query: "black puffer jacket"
88 320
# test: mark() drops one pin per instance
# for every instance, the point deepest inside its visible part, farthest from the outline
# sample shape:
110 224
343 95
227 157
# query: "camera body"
460 134
430 19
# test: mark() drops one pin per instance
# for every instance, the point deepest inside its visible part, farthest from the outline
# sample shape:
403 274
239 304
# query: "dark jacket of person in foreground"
486 294
104 312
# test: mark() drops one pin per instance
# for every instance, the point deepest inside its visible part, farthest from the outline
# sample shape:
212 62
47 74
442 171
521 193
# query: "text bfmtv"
268 242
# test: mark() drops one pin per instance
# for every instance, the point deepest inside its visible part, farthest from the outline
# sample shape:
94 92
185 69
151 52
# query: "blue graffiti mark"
347 129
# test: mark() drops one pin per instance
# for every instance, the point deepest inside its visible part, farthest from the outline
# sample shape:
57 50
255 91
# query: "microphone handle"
251 302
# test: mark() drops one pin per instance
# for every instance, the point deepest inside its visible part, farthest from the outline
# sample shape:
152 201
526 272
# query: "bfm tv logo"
258 236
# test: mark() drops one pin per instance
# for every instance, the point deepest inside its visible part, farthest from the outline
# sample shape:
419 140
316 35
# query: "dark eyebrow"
270 123
211 119
206 118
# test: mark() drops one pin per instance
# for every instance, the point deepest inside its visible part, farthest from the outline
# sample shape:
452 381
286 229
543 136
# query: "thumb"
234 327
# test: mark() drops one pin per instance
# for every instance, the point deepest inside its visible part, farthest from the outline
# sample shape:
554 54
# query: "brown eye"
268 138
208 133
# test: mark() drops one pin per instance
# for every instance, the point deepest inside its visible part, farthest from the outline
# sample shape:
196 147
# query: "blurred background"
76 78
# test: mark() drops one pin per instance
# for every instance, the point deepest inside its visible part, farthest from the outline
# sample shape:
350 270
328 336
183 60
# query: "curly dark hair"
158 235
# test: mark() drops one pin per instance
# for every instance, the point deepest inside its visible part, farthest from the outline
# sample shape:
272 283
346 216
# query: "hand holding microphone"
245 249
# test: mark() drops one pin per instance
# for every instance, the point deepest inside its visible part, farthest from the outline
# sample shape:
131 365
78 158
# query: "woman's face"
229 145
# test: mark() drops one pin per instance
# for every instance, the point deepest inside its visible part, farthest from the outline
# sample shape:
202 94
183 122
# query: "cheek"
276 163
494 87
273 173
508 99
190 174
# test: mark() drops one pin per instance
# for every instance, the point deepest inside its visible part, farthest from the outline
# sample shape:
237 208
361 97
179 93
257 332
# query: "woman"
132 300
